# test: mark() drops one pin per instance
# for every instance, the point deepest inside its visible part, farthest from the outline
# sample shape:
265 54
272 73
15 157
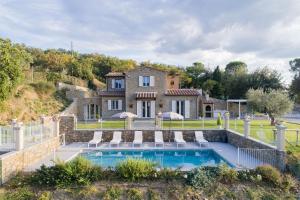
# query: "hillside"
31 100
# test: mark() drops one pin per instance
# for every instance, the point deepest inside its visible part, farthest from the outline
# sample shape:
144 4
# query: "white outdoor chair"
117 138
138 138
158 138
178 137
96 139
199 138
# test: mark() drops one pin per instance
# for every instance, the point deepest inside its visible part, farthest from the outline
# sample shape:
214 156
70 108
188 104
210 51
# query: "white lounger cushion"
97 137
179 137
158 137
117 137
199 137
138 137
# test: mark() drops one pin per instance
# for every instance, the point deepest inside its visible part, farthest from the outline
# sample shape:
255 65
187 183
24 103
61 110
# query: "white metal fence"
255 157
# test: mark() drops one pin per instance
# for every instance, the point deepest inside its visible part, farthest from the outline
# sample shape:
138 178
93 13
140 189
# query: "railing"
32 133
7 138
255 157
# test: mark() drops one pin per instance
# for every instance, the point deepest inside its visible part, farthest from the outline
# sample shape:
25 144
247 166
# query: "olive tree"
274 102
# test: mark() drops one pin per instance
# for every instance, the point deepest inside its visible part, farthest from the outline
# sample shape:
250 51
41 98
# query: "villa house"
146 91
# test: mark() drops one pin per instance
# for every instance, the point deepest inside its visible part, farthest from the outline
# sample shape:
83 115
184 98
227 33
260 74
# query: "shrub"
269 174
112 193
22 193
227 175
202 177
135 169
249 175
45 196
288 182
169 174
152 195
134 194
77 172
53 77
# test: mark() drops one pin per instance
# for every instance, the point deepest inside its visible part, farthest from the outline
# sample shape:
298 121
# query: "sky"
177 32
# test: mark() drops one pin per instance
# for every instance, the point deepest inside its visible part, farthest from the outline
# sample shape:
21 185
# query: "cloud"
259 32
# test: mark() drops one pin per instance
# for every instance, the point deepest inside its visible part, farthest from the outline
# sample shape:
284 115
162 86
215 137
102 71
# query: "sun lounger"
117 138
178 137
96 139
138 138
199 138
158 138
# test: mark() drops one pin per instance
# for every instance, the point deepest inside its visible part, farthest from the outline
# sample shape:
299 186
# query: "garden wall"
15 161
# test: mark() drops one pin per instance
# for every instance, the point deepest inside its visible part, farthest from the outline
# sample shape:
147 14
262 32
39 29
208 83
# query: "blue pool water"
164 158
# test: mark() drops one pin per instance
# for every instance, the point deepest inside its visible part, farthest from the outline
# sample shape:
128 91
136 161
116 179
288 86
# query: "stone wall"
15 161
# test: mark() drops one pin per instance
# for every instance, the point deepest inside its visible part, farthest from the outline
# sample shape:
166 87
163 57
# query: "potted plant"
219 121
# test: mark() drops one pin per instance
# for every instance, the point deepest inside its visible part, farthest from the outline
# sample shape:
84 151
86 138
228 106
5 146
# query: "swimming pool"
164 158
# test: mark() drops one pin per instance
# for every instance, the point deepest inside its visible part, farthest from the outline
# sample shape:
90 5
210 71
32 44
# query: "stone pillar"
56 120
246 127
19 133
226 121
280 137
43 121
129 123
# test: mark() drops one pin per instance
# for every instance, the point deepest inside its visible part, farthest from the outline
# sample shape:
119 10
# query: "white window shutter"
139 109
122 83
85 112
173 106
140 81
152 105
187 109
120 104
109 104
152 81
113 83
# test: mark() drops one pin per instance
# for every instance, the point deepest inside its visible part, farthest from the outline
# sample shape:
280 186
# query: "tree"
274 102
295 85
13 60
209 85
217 74
266 79
295 66
236 68
197 73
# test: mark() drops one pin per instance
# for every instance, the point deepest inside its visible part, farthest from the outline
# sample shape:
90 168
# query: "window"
146 81
115 105
119 83
146 109
91 111
180 107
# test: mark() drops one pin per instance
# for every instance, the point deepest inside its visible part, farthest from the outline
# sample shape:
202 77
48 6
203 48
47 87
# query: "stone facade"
15 161
128 87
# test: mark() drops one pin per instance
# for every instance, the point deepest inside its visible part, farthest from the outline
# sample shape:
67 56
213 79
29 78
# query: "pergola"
239 101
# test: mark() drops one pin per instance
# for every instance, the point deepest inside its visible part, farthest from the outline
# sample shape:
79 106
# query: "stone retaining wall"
148 135
15 161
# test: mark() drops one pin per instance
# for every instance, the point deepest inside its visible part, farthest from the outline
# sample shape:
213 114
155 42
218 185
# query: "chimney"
207 96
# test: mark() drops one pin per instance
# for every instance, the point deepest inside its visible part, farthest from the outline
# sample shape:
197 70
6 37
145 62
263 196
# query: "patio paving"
227 151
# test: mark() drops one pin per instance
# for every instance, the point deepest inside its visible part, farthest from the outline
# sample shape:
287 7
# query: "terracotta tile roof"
115 74
146 95
182 92
112 93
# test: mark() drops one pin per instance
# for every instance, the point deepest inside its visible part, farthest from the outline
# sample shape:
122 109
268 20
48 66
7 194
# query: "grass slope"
29 101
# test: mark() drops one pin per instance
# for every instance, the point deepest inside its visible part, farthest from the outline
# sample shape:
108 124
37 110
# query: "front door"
146 109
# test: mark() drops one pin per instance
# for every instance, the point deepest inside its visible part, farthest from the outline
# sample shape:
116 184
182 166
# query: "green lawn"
260 129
